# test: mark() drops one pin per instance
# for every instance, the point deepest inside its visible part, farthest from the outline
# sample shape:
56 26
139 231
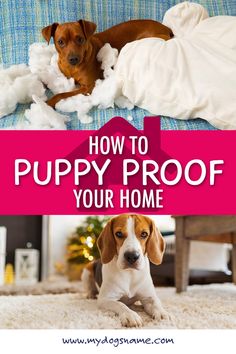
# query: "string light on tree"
81 246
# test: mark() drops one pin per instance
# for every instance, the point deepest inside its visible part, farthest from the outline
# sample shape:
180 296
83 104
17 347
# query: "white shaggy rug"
209 306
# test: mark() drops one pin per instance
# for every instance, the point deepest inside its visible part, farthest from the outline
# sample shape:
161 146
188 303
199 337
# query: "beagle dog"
126 245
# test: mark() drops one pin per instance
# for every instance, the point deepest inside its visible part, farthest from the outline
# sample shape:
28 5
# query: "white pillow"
183 17
186 77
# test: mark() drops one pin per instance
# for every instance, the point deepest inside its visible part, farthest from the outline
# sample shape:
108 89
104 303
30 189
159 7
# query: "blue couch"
21 23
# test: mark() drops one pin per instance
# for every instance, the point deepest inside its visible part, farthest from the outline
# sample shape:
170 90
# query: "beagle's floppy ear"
49 31
106 243
88 27
155 245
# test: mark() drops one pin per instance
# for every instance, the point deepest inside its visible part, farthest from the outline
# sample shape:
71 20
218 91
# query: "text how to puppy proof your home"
148 171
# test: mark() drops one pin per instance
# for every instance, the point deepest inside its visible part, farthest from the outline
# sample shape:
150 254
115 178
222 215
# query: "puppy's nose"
131 257
73 60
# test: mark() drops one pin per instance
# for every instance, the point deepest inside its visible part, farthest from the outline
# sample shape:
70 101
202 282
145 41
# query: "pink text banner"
118 169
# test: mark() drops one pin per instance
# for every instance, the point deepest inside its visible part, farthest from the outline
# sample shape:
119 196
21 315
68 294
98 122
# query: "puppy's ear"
49 31
106 243
88 27
155 245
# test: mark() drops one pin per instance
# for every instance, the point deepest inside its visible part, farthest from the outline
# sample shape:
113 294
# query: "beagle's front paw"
91 295
161 314
131 319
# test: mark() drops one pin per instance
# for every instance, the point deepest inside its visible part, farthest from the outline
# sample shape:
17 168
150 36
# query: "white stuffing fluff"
80 104
17 85
108 57
123 102
42 116
43 62
20 82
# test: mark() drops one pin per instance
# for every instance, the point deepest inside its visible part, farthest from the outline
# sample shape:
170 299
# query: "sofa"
21 23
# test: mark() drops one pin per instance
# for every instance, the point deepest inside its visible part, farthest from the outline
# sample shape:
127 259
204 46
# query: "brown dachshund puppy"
78 46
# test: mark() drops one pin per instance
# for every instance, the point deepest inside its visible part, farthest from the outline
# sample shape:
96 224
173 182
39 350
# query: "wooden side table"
202 228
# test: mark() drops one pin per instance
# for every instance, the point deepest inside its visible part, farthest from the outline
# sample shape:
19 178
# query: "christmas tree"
81 246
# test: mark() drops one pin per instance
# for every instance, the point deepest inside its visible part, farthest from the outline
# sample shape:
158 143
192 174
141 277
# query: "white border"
185 341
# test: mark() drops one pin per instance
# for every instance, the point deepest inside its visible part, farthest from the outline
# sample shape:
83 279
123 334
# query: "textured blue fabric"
21 23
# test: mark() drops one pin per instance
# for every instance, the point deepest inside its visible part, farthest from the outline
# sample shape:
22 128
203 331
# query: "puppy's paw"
51 103
161 314
131 319
91 295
